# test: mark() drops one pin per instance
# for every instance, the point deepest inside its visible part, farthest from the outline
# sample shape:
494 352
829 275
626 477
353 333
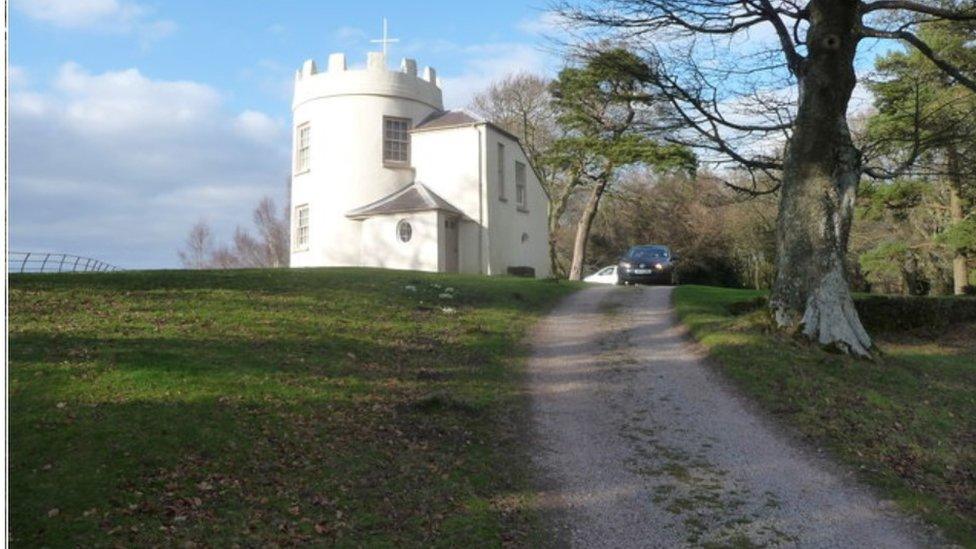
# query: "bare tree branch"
918 7
925 50
793 59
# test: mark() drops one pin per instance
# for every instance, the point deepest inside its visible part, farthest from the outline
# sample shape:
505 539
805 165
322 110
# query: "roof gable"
449 119
415 197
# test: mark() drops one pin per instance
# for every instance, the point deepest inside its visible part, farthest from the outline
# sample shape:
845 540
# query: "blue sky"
133 119
130 120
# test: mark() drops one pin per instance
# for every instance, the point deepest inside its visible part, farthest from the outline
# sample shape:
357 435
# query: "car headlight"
625 264
658 266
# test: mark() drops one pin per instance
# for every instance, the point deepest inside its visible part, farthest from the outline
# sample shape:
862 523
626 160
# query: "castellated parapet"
375 79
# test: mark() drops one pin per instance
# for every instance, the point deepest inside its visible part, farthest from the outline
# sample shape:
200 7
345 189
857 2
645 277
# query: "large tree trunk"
554 267
583 230
557 208
821 172
960 276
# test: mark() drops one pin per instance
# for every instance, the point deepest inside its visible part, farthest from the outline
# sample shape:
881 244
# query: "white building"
383 176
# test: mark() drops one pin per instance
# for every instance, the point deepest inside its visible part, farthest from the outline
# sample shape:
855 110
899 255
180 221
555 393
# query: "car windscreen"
647 254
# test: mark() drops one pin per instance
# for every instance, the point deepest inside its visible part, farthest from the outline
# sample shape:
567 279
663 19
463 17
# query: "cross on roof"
385 41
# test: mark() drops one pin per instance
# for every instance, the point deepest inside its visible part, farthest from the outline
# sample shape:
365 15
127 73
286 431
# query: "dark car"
647 264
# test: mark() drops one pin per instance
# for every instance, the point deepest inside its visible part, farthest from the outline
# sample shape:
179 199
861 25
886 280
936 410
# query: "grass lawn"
907 422
269 407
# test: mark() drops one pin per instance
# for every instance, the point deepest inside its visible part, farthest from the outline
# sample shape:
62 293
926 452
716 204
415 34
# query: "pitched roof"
449 119
445 120
415 197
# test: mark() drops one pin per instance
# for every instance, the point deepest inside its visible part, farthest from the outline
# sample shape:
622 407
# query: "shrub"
744 307
527 272
901 313
881 313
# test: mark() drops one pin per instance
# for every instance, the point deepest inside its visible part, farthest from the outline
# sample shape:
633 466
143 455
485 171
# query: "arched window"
525 237
404 230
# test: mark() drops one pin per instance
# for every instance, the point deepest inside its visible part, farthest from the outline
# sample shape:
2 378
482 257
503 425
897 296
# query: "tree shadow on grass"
260 407
166 439
254 473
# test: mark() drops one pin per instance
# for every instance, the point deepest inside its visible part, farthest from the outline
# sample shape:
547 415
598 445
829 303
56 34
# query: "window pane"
501 170
396 140
302 155
301 227
520 194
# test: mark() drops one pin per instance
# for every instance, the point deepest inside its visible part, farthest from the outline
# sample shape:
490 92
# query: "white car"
606 275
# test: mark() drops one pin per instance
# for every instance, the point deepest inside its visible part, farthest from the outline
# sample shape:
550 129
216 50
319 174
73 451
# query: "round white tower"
342 118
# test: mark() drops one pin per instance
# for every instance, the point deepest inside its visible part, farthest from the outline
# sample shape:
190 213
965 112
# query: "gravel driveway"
641 445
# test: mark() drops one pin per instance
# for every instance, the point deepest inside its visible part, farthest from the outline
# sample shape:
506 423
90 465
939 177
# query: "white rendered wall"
448 162
454 163
381 246
345 110
506 223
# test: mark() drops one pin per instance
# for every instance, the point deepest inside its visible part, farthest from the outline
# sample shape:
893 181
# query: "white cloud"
16 76
258 127
28 104
125 102
862 100
543 24
79 13
349 36
486 63
110 16
274 79
118 165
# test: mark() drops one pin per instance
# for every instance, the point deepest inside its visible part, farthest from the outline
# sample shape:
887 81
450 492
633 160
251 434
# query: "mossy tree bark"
583 229
821 171
960 275
557 207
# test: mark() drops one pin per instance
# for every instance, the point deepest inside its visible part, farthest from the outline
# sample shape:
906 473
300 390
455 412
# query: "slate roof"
449 119
415 197
457 119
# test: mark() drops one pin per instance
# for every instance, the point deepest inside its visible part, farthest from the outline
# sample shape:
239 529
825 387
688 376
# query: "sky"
131 120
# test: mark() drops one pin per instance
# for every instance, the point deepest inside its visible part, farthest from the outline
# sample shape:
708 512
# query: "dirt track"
642 445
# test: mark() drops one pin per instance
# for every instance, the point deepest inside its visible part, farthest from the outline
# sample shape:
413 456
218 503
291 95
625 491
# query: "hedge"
901 313
890 313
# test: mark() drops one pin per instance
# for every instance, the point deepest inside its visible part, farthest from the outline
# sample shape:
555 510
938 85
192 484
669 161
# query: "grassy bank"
345 406
906 422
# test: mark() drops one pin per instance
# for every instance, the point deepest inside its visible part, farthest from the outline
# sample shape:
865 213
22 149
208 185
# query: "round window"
404 230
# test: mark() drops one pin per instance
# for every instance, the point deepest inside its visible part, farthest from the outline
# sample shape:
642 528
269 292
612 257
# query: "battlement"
375 61
375 79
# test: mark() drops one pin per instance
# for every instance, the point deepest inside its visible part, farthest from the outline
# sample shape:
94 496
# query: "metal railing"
42 262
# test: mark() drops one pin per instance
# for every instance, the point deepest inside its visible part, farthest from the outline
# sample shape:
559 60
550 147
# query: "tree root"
832 320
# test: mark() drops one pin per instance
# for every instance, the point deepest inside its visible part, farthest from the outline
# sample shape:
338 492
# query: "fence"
39 262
